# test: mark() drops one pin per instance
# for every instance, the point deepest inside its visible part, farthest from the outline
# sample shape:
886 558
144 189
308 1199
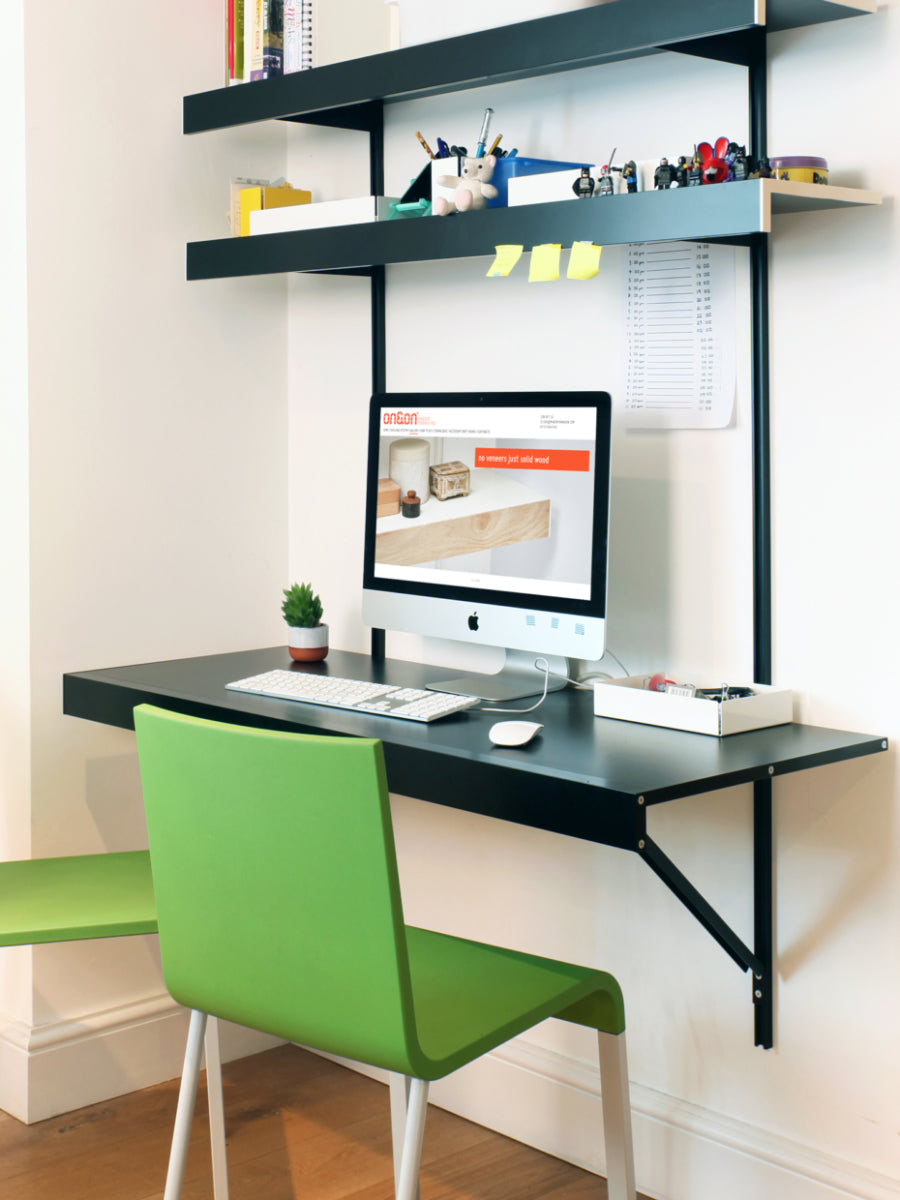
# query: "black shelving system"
352 95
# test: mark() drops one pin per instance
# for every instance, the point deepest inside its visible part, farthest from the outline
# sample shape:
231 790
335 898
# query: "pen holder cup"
505 170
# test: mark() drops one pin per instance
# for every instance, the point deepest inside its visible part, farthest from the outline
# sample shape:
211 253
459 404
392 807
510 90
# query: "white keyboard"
383 699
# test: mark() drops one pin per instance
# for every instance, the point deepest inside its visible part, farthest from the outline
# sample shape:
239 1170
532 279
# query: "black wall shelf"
730 212
342 93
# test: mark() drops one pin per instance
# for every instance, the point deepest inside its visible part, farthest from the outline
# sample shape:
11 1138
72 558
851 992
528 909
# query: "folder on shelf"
253 199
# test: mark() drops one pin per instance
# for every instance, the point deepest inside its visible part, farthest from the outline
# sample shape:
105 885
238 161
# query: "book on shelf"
229 41
273 38
267 38
236 41
253 34
237 186
298 43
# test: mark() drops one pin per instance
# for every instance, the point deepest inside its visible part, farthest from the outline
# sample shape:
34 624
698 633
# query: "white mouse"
513 733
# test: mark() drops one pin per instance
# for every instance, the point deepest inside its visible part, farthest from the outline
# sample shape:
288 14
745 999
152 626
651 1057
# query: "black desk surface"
582 775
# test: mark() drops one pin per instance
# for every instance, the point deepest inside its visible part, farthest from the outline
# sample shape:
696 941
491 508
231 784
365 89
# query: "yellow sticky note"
506 258
544 263
584 261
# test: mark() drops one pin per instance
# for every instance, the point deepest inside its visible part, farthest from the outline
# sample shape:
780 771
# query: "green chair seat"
76 897
80 897
469 997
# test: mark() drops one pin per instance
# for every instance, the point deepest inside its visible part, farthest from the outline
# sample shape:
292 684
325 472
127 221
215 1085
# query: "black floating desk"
582 776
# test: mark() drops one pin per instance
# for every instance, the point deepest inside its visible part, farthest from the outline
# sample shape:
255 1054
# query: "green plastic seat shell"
76 897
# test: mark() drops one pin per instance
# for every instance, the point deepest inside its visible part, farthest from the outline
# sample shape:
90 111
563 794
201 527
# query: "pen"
493 149
443 148
425 145
482 137
512 153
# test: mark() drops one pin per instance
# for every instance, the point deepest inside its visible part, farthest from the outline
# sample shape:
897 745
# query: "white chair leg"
413 1134
216 1099
184 1114
616 1116
399 1091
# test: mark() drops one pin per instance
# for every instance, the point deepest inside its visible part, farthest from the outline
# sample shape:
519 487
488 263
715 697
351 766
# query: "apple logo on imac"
473 621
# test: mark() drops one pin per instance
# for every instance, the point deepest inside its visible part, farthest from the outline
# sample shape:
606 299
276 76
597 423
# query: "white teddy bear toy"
473 189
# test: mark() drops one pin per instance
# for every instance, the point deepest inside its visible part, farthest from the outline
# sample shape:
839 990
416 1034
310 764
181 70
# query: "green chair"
279 908
84 896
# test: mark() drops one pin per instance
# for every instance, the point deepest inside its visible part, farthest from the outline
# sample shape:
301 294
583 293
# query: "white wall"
817 1116
15 833
146 398
149 450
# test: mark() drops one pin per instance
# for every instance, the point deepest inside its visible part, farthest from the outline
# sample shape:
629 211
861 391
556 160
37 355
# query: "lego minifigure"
629 175
663 175
738 163
583 187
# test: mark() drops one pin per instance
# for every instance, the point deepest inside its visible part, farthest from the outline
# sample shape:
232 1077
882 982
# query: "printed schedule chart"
680 343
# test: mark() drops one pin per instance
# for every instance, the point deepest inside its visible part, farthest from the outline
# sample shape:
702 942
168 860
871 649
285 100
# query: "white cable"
533 706
604 674
578 683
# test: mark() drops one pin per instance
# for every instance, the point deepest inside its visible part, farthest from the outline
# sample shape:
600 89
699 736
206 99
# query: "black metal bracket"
739 47
763 916
362 117
759 961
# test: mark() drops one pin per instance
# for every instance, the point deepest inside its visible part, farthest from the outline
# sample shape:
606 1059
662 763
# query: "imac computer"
487 523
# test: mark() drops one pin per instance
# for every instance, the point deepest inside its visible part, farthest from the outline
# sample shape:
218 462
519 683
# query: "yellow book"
253 198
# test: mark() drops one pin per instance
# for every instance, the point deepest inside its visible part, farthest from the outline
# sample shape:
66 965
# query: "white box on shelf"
629 700
537 189
354 211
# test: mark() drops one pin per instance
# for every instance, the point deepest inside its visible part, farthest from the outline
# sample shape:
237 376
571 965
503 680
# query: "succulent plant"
302 608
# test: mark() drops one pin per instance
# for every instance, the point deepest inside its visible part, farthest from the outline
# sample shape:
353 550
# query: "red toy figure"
605 184
714 167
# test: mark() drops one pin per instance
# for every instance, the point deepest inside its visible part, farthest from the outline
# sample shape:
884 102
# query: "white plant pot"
308 644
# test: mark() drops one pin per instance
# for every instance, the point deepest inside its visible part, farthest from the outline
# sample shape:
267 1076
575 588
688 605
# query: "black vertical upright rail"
763 875
379 367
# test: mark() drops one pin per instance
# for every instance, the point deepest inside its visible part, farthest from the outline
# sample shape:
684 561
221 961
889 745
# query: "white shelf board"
779 196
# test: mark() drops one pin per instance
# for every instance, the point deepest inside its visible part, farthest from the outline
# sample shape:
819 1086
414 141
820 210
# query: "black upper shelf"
346 93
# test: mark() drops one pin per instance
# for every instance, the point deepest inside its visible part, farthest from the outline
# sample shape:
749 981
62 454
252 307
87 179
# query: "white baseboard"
682 1151
58 1067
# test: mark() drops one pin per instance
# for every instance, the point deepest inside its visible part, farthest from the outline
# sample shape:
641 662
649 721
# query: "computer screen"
487 523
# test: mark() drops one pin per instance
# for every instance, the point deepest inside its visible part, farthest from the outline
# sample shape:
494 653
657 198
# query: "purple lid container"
820 164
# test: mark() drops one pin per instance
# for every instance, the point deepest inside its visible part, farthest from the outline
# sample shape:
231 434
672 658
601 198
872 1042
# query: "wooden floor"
298 1126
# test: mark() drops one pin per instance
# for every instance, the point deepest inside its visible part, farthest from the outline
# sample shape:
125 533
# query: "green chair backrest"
276 883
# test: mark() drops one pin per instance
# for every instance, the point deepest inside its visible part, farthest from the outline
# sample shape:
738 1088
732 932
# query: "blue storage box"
507 167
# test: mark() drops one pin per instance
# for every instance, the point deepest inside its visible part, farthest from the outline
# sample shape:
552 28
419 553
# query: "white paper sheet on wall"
680 336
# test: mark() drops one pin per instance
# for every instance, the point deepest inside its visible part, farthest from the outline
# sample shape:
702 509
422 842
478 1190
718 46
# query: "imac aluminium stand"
523 674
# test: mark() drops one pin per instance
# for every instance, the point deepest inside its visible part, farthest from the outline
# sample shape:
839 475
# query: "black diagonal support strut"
699 907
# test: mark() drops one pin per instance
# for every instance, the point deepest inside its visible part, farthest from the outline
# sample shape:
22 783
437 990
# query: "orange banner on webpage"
533 460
